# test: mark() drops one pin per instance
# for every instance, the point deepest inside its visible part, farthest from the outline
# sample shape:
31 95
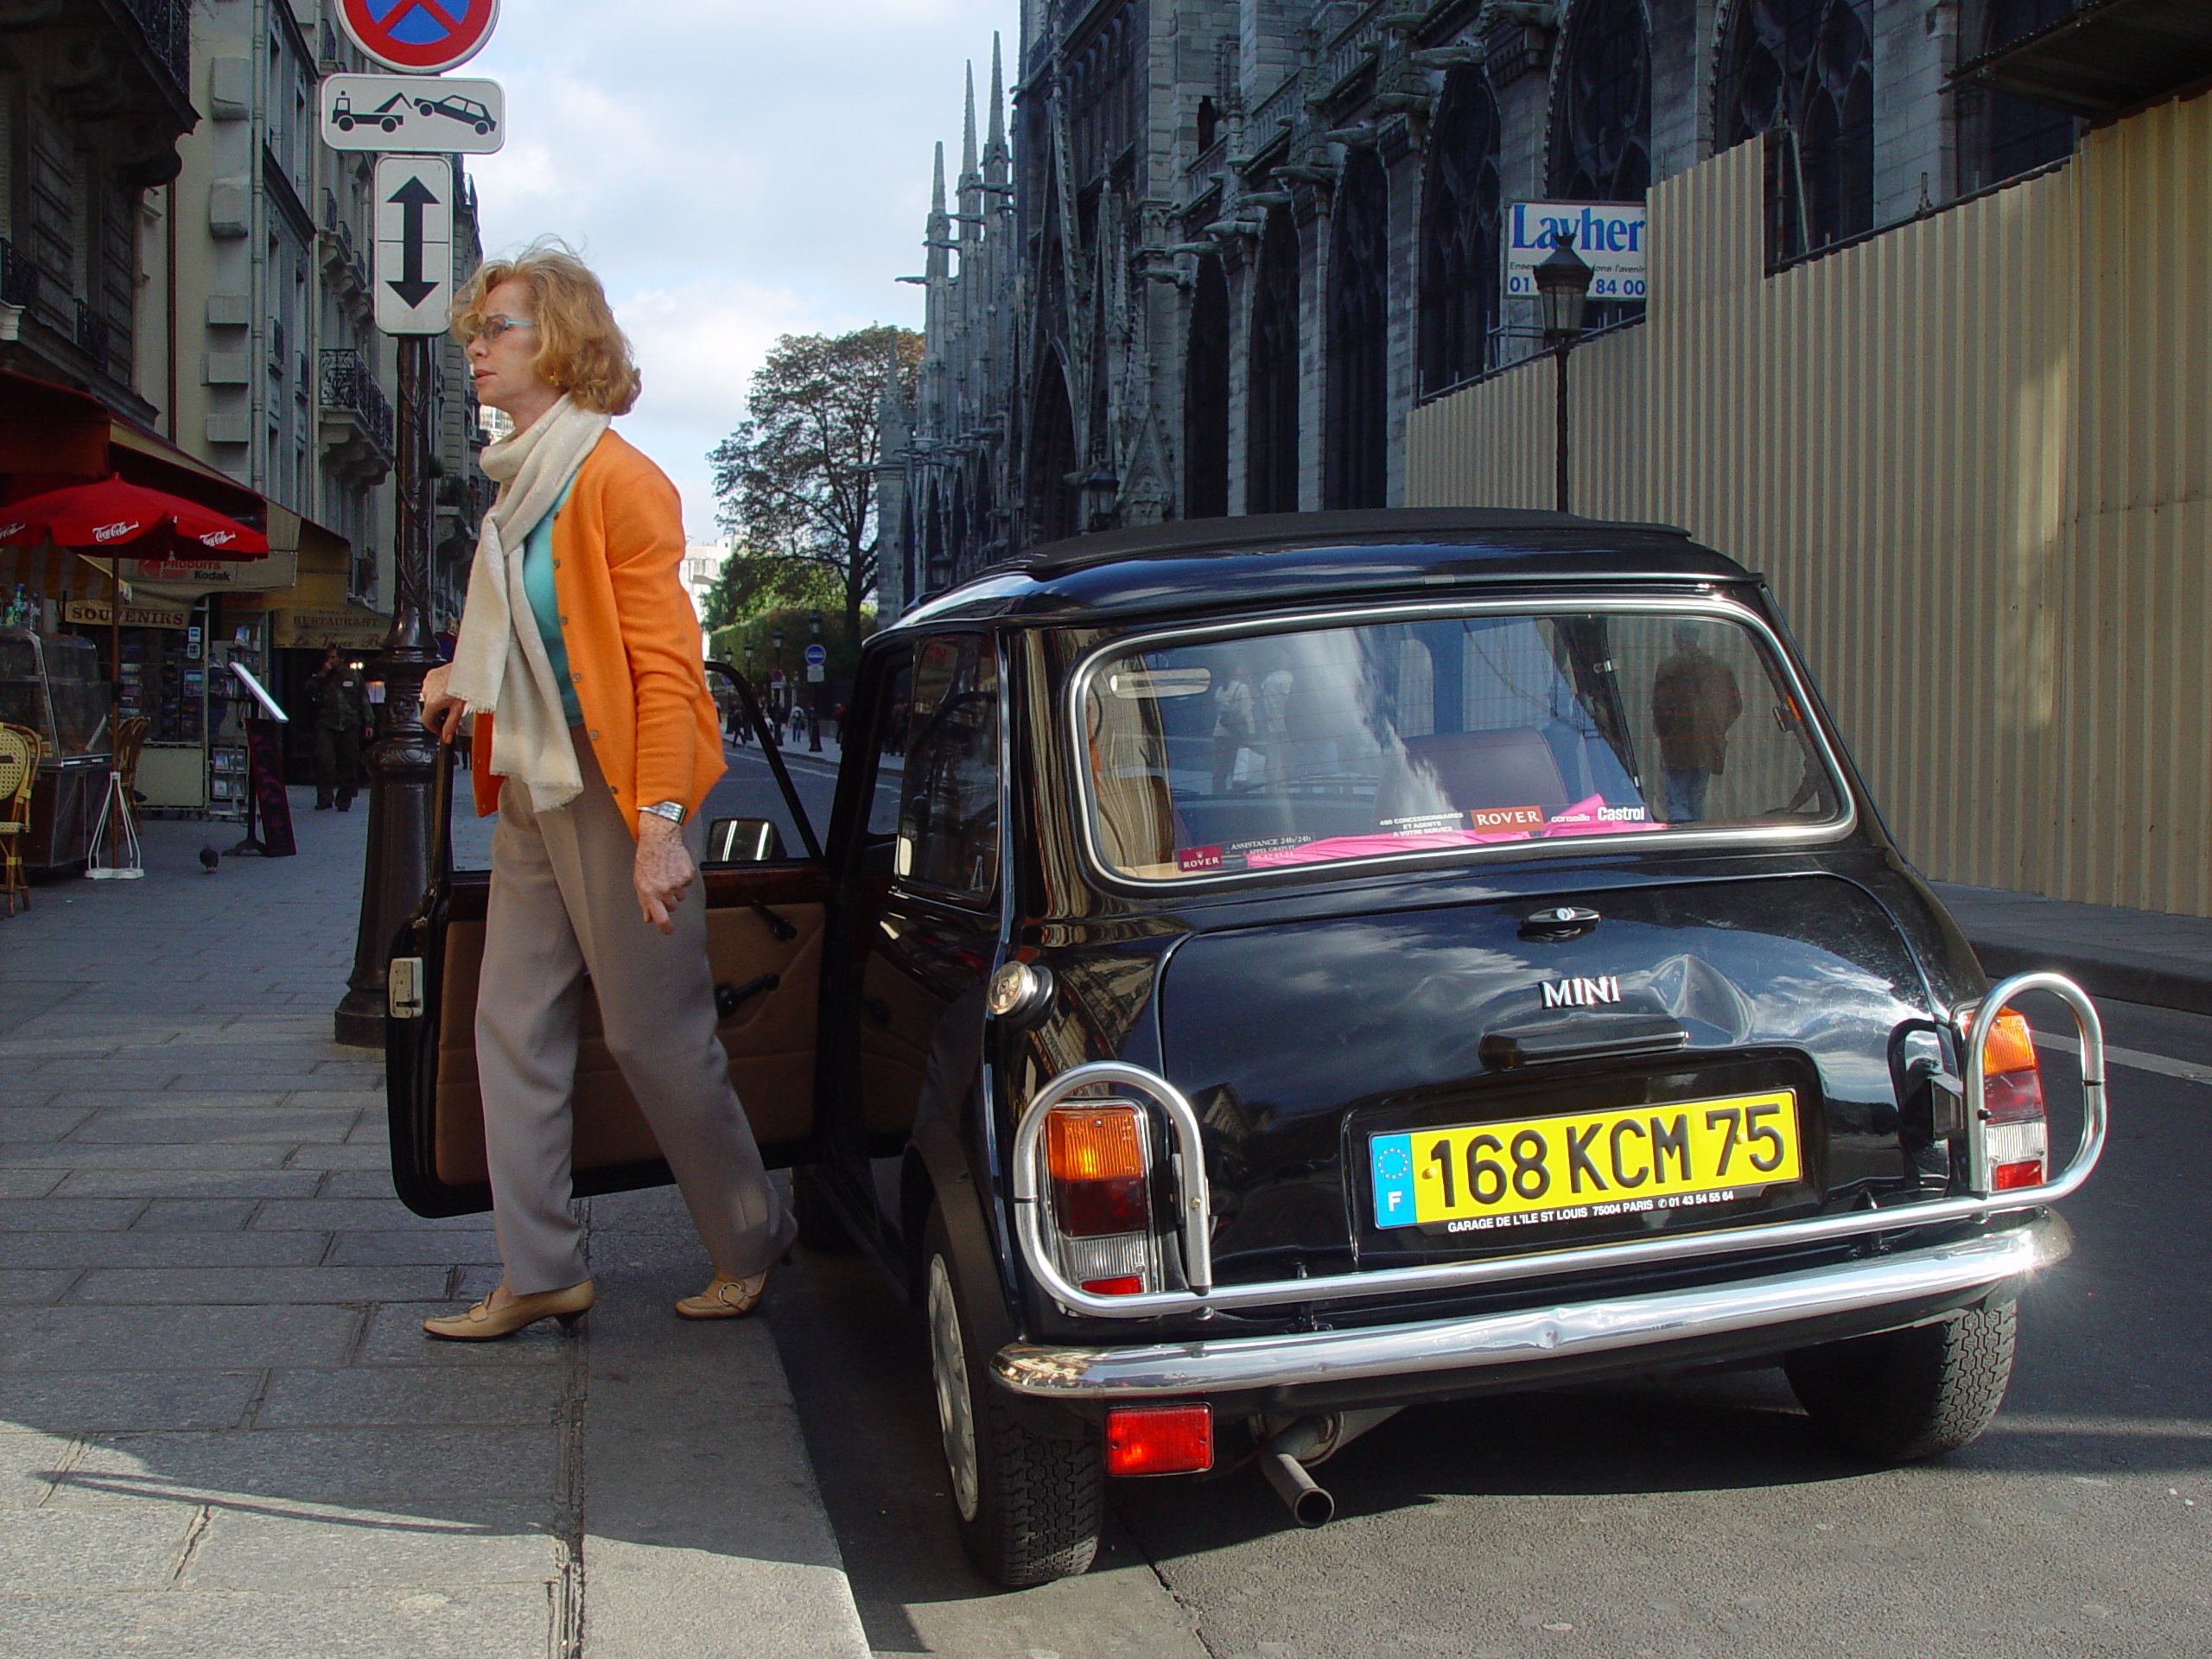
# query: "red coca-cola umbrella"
115 517
111 516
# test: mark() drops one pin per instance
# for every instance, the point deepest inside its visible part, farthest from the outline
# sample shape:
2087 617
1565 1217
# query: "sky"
734 170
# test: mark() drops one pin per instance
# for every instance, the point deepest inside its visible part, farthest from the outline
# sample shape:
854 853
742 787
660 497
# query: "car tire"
344 124
391 123
1029 1505
819 1228
1904 1396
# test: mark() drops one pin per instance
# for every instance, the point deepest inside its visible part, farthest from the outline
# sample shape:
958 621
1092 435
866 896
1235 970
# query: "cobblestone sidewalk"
221 1431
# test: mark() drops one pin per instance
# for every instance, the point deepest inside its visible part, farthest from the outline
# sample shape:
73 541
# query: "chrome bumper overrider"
1907 1279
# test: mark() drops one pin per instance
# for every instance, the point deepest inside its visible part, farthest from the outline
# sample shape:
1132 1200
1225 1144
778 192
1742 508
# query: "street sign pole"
412 242
402 761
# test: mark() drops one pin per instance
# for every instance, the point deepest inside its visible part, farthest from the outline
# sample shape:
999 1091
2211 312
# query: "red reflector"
1158 1440
2008 1176
1128 1285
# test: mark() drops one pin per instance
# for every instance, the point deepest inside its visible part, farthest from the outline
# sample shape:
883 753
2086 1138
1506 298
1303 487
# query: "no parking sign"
421 37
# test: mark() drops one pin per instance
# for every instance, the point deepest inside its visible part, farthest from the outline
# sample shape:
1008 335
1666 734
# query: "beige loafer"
485 1322
724 1299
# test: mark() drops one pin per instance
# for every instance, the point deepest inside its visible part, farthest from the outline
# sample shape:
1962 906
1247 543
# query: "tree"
797 480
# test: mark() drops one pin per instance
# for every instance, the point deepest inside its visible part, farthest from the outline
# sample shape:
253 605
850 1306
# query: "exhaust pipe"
1285 1456
1310 1506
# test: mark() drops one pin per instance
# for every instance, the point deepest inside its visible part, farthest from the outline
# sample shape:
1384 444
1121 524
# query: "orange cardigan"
631 637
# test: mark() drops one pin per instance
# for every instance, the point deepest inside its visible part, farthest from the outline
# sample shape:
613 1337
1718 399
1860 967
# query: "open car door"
765 936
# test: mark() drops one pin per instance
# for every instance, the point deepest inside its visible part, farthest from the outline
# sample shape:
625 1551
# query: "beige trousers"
562 907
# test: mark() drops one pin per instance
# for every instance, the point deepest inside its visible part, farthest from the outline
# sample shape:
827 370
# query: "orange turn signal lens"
1094 1143
1096 1157
1158 1440
2011 1046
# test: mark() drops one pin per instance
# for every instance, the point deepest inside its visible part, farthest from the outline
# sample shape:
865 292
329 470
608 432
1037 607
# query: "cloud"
734 169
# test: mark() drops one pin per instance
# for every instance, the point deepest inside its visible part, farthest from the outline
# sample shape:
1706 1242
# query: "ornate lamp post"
776 664
813 694
1562 293
401 760
1098 492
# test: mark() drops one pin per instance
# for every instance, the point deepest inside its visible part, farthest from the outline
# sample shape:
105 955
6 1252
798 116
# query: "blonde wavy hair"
580 349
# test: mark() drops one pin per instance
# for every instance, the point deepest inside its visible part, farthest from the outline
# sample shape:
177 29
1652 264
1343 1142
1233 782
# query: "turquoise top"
538 582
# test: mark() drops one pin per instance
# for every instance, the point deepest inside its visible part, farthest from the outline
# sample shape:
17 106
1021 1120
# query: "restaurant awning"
2104 59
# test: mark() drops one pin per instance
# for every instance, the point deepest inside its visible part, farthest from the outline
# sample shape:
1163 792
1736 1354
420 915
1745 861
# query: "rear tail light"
1095 1155
1098 1157
1158 1440
2012 1105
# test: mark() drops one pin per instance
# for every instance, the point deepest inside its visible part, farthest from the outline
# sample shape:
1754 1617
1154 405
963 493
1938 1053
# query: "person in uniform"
338 701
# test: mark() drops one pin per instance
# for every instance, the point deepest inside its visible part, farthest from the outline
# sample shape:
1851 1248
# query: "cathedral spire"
936 189
994 145
967 133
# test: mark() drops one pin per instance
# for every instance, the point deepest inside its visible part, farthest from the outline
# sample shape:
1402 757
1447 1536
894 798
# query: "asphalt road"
1694 1517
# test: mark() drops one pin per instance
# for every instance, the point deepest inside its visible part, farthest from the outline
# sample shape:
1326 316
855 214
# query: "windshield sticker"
1506 817
1586 818
1198 858
1425 824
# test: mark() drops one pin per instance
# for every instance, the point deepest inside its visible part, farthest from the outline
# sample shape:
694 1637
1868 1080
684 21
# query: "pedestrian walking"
338 701
579 659
1695 701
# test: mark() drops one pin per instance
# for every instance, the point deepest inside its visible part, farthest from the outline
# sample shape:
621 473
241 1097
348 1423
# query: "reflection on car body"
1264 973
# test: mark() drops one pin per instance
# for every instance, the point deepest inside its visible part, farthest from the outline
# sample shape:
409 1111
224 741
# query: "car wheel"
391 123
344 124
1908 1395
483 127
426 106
819 1229
1030 1506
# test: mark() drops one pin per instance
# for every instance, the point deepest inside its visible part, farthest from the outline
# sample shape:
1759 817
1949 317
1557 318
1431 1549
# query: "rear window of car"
1280 751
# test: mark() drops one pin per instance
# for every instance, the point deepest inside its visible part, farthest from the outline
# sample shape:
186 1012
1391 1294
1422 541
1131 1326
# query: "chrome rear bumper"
1908 1279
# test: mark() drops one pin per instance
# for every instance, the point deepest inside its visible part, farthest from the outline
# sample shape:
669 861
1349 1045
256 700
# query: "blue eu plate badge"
1392 1159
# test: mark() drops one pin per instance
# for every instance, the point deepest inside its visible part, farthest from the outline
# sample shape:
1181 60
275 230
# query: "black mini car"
1267 972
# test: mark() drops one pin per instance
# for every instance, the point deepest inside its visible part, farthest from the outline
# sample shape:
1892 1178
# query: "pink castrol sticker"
1586 818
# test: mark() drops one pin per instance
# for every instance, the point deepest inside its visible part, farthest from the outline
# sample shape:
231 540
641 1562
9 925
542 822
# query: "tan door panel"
769 1040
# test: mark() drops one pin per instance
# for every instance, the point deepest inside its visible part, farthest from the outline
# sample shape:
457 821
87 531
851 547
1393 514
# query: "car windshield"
1282 750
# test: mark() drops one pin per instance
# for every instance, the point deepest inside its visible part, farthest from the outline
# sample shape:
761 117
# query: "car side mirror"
743 841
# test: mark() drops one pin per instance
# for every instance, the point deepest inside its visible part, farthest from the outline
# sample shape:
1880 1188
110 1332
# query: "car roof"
1263 558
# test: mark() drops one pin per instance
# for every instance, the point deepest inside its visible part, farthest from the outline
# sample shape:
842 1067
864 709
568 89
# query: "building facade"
185 295
1220 249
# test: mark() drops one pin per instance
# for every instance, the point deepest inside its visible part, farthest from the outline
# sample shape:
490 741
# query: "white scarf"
499 663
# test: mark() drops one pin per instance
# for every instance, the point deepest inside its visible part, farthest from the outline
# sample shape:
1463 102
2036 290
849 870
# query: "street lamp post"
776 667
401 762
813 694
1098 492
743 731
1562 293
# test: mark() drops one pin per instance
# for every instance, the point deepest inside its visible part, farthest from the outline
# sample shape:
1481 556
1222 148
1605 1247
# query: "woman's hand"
441 713
662 871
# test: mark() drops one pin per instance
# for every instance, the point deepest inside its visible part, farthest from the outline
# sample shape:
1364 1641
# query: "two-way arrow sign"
414 244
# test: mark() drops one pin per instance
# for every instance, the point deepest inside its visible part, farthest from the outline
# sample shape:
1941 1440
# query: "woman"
597 741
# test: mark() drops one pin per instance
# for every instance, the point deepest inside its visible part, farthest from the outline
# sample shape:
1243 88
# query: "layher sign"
1611 237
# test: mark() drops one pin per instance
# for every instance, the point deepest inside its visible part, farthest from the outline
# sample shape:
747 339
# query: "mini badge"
1582 993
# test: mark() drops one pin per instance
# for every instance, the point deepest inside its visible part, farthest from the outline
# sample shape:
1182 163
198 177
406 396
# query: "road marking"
2186 1070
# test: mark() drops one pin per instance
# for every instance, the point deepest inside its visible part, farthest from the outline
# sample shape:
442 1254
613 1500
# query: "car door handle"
783 929
1593 1037
728 998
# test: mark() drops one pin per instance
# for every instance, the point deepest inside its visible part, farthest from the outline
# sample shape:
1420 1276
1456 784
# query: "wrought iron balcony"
167 25
18 276
349 387
92 334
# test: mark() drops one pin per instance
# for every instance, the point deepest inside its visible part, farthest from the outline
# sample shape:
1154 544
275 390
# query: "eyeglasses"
489 329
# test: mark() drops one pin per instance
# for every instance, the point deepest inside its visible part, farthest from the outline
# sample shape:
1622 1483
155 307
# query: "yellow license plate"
1530 1171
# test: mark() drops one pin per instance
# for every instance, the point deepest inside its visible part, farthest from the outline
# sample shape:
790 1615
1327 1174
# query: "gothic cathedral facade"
1217 250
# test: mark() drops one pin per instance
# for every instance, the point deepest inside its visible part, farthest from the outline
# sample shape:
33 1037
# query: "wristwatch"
672 810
